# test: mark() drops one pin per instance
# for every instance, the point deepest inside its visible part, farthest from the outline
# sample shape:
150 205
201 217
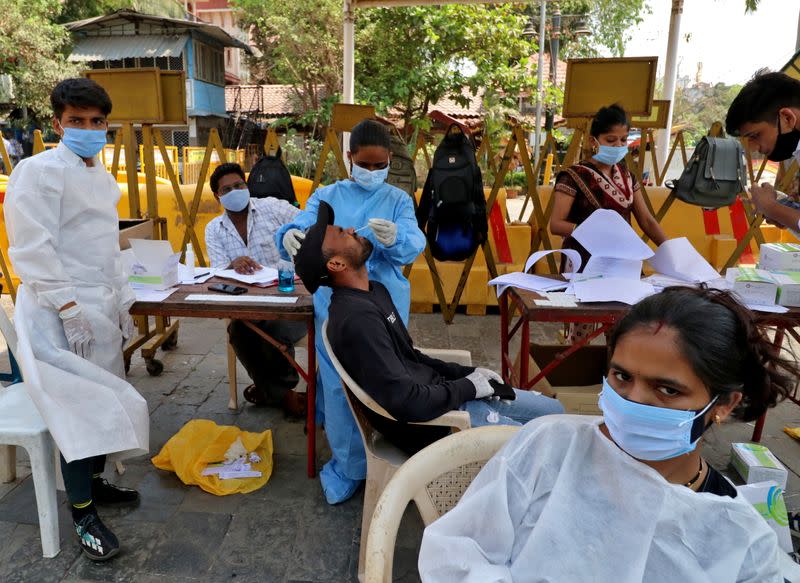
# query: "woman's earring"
717 420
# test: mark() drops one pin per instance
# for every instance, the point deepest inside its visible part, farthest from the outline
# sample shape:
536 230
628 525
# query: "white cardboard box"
753 286
788 288
756 463
779 257
151 264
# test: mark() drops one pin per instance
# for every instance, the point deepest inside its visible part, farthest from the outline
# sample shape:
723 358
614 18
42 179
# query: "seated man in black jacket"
374 346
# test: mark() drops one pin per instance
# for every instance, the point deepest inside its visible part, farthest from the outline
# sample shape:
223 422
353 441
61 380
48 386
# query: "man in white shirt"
767 113
243 239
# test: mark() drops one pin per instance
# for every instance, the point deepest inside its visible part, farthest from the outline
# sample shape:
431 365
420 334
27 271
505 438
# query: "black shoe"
97 542
105 493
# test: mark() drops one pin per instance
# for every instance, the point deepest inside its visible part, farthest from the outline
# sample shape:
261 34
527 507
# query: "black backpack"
270 177
715 174
401 170
452 209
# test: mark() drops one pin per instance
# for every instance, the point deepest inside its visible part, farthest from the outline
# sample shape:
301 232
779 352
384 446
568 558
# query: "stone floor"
282 533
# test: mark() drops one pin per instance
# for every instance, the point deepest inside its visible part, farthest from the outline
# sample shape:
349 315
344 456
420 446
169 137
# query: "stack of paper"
677 259
262 276
526 281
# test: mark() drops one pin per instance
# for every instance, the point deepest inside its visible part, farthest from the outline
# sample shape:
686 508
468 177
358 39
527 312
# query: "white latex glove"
78 331
482 387
126 324
292 241
489 374
385 231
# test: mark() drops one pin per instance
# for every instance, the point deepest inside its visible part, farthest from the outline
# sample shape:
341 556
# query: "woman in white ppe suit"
628 497
72 309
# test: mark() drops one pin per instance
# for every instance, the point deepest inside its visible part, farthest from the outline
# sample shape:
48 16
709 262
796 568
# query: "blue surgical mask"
369 179
84 143
610 154
235 200
651 433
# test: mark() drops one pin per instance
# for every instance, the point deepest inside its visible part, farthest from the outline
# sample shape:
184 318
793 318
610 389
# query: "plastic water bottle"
286 276
190 260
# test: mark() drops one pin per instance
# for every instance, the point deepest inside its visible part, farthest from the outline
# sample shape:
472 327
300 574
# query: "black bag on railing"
714 175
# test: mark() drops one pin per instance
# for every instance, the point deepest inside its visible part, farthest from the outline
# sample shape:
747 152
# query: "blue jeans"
528 405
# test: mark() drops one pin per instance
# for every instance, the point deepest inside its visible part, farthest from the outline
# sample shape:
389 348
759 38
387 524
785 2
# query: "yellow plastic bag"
201 442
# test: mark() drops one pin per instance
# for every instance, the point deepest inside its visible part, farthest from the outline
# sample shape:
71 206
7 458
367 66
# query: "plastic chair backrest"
355 389
24 355
442 462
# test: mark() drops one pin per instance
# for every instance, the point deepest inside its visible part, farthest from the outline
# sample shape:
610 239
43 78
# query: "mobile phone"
227 288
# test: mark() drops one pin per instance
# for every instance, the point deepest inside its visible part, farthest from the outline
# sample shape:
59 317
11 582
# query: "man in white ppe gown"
72 309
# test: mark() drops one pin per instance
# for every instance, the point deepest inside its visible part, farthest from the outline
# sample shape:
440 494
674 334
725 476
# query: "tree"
409 58
699 106
610 23
33 51
301 45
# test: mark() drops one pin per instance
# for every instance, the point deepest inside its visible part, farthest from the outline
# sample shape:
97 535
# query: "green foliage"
33 51
301 45
409 58
699 106
301 156
81 9
611 23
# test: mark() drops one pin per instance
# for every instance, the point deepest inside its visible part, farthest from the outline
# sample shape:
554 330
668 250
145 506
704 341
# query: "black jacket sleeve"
365 349
449 370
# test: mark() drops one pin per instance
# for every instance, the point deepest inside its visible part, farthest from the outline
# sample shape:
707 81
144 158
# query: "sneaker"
97 542
105 493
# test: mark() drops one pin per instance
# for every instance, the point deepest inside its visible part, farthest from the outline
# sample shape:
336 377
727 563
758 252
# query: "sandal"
254 396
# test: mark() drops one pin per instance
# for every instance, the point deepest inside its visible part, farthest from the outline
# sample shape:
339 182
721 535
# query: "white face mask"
369 179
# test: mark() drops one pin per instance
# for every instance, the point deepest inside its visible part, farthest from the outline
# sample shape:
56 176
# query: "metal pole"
670 78
555 42
348 76
537 134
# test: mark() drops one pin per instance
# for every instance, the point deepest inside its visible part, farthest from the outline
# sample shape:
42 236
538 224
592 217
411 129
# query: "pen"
202 275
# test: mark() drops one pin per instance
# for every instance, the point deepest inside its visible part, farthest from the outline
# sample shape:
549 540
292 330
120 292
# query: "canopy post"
670 78
539 84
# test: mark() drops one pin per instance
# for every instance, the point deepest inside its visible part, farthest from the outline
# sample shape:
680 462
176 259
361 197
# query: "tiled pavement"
282 533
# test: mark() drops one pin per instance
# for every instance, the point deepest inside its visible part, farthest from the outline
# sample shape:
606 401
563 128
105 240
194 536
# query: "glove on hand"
385 231
126 324
489 374
78 331
503 391
292 241
482 387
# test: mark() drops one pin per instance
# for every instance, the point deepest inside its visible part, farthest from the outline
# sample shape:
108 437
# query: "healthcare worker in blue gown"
365 200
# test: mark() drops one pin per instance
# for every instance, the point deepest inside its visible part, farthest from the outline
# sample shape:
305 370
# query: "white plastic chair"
22 426
442 472
383 458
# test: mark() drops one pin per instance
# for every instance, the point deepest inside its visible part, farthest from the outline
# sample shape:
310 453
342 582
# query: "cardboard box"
788 288
756 463
753 286
779 257
151 264
134 229
576 382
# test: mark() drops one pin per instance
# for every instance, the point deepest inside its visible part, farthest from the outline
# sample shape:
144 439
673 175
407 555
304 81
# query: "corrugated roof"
171 26
271 101
102 48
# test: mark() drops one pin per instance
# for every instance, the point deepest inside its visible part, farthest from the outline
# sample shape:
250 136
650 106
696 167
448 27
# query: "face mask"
610 154
786 145
647 432
235 200
84 143
369 179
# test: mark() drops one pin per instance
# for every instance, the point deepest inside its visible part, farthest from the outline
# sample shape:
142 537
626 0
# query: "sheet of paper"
526 281
659 280
197 275
155 255
773 309
263 275
242 299
613 267
677 258
606 234
573 255
150 295
558 300
612 289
